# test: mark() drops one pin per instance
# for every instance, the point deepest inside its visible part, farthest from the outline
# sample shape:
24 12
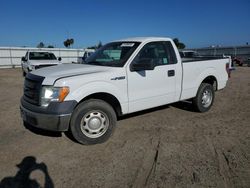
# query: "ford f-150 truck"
38 59
121 77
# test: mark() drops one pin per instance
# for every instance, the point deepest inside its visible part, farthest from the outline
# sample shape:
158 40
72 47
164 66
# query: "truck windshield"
113 54
42 56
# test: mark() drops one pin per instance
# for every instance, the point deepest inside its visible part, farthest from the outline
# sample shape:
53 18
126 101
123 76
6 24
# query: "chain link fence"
242 52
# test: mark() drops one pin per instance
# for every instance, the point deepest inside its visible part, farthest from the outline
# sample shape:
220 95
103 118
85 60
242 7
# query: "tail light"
228 70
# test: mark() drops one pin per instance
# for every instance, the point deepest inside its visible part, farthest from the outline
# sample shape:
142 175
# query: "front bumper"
52 119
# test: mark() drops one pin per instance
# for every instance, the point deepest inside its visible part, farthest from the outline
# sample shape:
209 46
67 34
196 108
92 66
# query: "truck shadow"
41 131
183 105
49 133
143 112
22 177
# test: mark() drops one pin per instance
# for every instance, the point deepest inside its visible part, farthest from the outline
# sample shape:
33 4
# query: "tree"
67 43
99 45
95 47
71 42
179 44
92 47
40 45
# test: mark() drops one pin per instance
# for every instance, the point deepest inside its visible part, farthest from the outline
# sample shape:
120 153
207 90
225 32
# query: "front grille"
32 88
42 66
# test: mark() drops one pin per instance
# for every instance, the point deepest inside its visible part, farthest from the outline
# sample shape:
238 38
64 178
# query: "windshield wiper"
92 63
109 64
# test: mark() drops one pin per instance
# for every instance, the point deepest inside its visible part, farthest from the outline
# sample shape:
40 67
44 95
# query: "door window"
170 53
156 52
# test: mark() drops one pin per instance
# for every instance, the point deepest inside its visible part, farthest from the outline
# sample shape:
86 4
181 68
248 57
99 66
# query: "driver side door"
151 88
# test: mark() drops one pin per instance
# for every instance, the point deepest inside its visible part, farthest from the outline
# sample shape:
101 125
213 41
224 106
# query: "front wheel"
92 122
204 98
24 73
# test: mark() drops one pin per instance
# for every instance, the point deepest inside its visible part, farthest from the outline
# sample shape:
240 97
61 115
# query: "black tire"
24 73
93 122
204 104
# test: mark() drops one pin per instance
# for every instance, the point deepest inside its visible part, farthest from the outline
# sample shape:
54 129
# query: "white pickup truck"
86 54
38 59
122 77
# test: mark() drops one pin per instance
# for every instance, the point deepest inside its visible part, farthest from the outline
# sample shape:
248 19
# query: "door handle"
171 73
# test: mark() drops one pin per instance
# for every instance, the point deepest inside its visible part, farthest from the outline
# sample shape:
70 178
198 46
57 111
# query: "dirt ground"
170 146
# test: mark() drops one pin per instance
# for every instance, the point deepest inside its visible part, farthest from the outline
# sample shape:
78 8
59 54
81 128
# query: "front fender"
120 93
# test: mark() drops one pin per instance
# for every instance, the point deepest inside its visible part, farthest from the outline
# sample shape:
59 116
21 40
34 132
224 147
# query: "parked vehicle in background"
38 59
188 53
87 53
122 77
237 61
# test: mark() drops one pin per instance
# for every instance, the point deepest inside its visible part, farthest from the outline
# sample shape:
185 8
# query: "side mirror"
23 59
59 59
142 64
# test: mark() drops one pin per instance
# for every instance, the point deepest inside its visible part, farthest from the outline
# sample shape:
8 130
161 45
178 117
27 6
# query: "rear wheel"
204 98
92 122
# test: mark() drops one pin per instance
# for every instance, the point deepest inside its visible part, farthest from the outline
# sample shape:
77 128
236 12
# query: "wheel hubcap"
206 99
94 124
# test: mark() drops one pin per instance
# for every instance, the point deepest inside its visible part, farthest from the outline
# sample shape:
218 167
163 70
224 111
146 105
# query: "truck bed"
203 58
195 69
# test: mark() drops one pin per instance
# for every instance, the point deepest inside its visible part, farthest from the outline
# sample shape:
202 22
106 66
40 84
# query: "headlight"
50 93
32 67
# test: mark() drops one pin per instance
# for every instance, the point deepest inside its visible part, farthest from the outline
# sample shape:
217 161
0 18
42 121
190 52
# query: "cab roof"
144 39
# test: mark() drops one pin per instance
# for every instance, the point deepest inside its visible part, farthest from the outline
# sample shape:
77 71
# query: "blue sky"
197 23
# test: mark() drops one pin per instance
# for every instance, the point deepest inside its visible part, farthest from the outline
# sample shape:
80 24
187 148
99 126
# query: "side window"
170 53
156 52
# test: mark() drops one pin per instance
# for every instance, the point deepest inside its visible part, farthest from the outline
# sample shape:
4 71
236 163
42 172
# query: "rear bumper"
56 117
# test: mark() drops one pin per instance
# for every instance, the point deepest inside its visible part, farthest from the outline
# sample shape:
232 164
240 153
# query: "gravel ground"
170 146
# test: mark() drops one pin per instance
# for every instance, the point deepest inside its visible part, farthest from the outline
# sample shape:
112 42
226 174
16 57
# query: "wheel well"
211 80
110 99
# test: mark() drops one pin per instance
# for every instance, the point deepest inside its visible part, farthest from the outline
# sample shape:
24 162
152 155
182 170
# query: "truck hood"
67 70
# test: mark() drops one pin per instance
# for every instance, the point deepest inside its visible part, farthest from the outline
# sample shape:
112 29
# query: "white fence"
242 52
11 56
